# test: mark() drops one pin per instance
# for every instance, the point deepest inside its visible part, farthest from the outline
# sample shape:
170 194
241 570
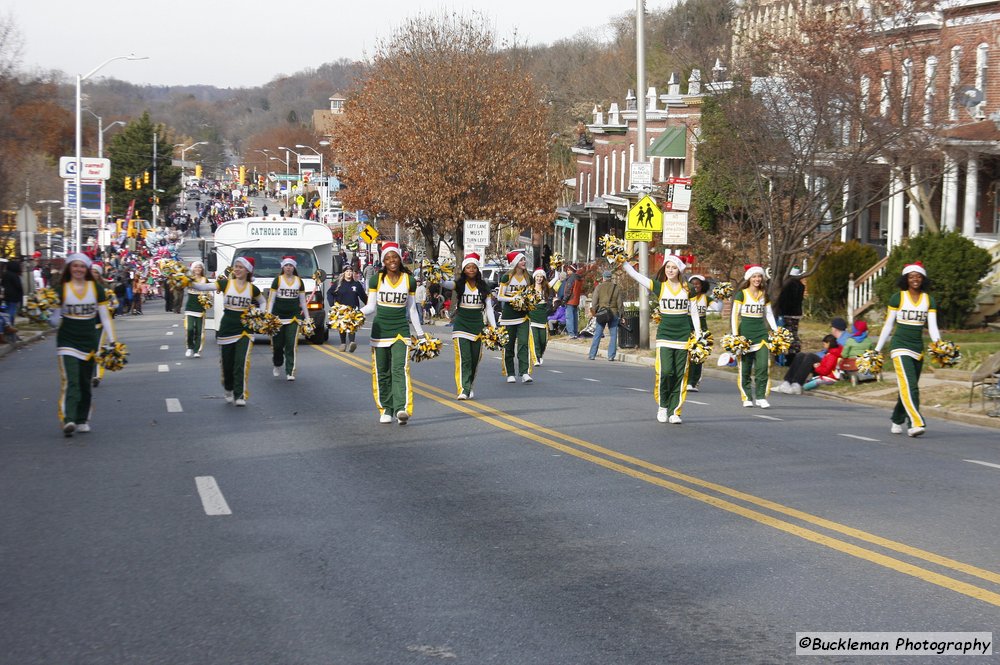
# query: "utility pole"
156 198
640 155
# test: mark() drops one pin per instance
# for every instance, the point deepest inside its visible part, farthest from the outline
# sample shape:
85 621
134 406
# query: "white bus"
266 240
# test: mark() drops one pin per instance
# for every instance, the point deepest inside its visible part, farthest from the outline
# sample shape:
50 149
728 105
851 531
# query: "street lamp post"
184 150
322 184
279 159
77 218
48 223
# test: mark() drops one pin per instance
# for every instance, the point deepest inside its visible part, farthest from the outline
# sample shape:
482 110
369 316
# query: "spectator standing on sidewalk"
13 295
790 299
606 306
572 290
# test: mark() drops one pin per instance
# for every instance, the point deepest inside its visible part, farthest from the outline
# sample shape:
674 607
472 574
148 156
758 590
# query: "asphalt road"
555 522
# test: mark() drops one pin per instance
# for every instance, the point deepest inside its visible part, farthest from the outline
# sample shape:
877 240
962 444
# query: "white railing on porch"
861 290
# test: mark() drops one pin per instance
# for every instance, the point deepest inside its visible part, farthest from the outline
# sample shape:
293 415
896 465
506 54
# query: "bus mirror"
338 264
211 262
322 275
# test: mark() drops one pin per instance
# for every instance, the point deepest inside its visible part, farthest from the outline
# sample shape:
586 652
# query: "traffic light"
305 177
128 182
197 170
145 177
243 175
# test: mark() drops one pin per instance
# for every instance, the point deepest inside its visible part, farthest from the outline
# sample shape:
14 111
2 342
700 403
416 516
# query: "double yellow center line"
697 489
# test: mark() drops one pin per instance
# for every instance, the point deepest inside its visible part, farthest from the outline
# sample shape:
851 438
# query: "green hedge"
828 285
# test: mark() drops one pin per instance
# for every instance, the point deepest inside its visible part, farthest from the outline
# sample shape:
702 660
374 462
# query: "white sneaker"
748 403
343 347
896 429
795 389
276 371
290 377
351 347
693 389
385 418
472 393
197 355
511 379
229 396
69 428
915 431
83 427
674 420
537 363
241 402
764 404
541 361
188 353
526 379
463 396
661 415
402 416
785 388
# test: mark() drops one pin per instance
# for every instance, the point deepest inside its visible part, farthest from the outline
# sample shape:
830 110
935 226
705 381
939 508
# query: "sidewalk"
882 394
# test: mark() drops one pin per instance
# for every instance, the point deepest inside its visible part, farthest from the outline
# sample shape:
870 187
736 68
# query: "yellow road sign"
645 216
300 199
639 236
369 234
317 203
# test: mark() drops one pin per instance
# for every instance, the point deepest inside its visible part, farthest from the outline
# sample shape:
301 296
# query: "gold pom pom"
780 341
345 319
424 348
207 300
699 347
258 321
945 354
308 327
556 261
614 249
723 291
737 345
113 357
871 362
39 305
655 317
495 337
525 300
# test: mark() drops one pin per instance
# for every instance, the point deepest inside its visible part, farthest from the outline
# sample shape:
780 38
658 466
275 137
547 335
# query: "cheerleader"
82 304
97 270
678 317
287 300
538 317
194 313
911 308
752 317
519 340
235 342
390 292
699 296
473 296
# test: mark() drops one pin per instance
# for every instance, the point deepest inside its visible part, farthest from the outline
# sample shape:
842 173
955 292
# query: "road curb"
936 412
24 341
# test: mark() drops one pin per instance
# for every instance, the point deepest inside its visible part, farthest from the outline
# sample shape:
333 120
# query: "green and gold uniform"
77 339
235 341
906 319
467 331
520 344
701 303
678 319
390 340
286 300
752 318
538 321
194 317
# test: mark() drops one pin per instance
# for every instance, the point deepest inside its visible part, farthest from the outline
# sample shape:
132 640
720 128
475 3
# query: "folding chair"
987 374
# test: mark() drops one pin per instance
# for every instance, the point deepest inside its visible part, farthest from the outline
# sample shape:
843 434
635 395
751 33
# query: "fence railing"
861 290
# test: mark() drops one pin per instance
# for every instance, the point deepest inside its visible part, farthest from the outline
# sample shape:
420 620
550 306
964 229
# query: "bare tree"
448 126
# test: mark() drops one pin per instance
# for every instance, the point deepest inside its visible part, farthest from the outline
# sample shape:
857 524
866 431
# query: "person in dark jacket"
13 294
790 309
347 291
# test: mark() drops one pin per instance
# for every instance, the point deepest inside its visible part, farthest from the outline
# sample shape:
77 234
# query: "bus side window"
211 261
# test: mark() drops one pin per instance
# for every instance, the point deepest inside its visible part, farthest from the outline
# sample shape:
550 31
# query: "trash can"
628 330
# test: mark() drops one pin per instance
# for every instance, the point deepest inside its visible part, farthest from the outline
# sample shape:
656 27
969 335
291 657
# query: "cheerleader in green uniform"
910 309
519 341
194 313
473 296
699 296
287 300
538 318
83 303
678 318
752 317
235 342
391 299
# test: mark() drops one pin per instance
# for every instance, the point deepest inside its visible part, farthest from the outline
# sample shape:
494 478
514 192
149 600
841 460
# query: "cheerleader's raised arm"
414 315
641 279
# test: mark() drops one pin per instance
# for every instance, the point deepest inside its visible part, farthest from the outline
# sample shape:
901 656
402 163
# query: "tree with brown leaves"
447 126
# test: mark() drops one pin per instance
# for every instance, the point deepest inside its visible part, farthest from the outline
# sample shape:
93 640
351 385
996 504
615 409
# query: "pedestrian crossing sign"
645 216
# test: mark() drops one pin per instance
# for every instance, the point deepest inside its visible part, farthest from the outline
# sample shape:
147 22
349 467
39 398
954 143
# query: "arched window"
906 90
930 74
953 81
982 55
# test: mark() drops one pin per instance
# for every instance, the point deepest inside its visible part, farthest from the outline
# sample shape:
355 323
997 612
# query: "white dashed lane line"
638 390
176 325
174 405
163 368
164 347
592 380
767 417
859 438
692 401
989 464
170 332
555 371
211 496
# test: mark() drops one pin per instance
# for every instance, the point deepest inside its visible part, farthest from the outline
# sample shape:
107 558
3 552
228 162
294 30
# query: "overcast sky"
249 42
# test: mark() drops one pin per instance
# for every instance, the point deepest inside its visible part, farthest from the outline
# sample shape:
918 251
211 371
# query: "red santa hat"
98 266
751 269
916 266
472 257
78 256
389 247
537 272
289 261
676 260
246 262
514 257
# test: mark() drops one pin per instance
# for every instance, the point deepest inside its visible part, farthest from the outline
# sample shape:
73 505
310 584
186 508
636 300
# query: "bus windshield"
267 261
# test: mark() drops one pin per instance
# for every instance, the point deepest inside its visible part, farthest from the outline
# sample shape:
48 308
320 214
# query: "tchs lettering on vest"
392 298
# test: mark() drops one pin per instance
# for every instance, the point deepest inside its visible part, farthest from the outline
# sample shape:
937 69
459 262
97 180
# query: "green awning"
671 144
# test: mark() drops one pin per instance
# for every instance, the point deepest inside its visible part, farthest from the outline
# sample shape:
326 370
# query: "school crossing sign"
644 219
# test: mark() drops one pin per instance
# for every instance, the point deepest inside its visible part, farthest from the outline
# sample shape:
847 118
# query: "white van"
266 240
